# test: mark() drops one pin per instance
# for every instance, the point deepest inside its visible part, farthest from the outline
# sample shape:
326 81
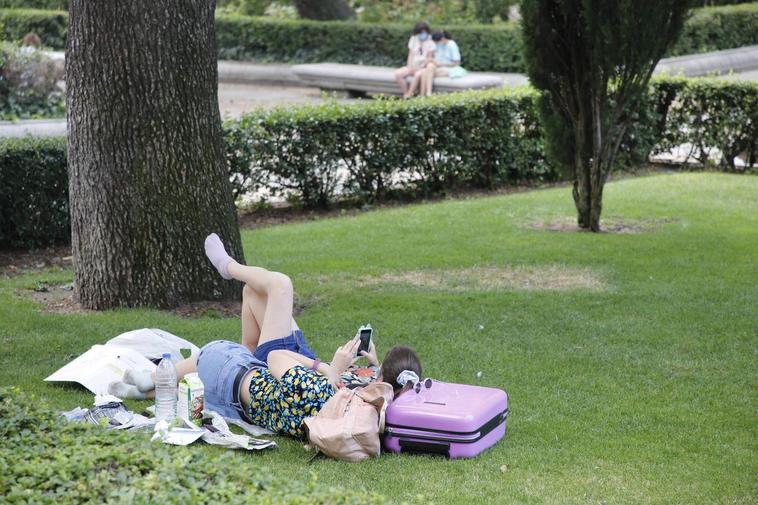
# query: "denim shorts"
294 342
220 363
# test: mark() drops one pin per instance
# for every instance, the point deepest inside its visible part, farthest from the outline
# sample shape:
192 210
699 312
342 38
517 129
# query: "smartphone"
365 333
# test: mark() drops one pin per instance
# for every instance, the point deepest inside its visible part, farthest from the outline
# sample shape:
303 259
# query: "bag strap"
378 394
382 415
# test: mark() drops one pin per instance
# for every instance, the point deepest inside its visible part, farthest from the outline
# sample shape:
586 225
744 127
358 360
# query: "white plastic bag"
152 343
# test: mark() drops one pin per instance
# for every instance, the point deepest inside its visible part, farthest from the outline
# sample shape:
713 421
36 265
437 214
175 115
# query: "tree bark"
147 176
324 10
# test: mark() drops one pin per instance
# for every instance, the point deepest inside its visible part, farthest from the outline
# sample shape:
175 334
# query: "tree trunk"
147 176
324 10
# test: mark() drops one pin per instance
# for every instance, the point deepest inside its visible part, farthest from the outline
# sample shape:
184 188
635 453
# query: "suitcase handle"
418 447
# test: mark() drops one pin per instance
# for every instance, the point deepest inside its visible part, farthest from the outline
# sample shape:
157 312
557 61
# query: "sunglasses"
424 384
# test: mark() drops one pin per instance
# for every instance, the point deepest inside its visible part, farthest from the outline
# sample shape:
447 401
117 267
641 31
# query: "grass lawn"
635 381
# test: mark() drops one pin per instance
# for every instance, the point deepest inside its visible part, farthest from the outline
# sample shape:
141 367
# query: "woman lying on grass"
273 379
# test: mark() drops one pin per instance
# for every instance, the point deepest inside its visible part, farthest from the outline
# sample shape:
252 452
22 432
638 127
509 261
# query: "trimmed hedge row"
374 151
484 47
34 192
43 459
716 28
719 119
387 149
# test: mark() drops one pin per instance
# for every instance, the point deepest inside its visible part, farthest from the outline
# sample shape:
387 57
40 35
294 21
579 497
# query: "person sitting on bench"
420 46
447 62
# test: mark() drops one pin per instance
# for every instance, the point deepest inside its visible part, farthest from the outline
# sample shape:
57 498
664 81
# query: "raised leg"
273 318
253 309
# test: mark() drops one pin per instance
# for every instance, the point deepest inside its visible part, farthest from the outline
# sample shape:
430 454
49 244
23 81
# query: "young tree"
324 10
592 60
147 177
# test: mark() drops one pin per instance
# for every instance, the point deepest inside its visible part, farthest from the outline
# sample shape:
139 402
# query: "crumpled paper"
214 431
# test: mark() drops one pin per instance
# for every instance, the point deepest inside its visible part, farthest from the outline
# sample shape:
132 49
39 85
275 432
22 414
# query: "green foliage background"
484 47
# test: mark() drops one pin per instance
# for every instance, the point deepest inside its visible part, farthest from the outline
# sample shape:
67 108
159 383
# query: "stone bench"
361 79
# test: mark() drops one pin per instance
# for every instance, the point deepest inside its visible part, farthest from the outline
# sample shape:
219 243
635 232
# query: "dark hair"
421 26
447 35
437 36
396 360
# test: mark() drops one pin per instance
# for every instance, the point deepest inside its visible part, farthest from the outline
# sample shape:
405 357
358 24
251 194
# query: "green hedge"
484 47
34 192
474 139
242 37
387 149
716 28
43 459
719 118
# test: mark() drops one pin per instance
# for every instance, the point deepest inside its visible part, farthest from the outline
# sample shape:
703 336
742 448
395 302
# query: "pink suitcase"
455 420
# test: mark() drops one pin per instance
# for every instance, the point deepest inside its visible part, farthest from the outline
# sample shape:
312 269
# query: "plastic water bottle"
165 390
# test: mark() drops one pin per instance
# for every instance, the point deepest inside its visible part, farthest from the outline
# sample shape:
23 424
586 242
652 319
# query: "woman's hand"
370 355
343 357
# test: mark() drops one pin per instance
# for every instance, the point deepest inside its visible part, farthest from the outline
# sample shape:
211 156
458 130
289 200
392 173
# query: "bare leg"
400 75
429 79
139 384
253 309
414 83
184 367
274 318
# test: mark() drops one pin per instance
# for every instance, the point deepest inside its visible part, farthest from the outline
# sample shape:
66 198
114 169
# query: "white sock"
216 252
125 391
139 378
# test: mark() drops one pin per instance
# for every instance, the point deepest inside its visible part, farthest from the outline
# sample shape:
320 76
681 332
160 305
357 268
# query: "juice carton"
190 404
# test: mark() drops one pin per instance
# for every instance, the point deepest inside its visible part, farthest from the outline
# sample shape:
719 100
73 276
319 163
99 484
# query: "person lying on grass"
272 379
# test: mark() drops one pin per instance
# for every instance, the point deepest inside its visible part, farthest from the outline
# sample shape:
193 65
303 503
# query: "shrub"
34 193
719 119
28 84
474 139
80 463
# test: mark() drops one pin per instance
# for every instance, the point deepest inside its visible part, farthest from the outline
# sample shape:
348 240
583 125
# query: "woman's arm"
409 60
280 361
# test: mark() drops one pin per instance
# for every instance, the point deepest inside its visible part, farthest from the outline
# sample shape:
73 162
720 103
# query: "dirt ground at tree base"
569 224
59 299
